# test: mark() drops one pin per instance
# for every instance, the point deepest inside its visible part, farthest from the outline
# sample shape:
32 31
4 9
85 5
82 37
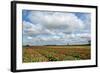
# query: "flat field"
55 53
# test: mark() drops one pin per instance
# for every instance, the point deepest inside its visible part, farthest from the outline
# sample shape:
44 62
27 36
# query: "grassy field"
56 53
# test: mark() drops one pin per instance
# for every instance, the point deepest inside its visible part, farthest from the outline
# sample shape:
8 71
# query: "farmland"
55 53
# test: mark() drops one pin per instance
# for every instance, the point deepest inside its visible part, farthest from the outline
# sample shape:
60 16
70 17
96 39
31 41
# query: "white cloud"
66 21
31 28
29 38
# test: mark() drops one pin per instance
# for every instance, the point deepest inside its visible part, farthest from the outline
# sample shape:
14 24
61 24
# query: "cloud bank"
58 28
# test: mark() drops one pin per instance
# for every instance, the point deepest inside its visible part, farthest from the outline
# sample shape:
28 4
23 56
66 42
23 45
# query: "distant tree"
27 45
89 42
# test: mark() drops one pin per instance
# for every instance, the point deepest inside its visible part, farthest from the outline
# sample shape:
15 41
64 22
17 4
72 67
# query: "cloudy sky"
55 28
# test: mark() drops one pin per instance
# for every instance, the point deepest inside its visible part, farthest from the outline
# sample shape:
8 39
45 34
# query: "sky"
55 28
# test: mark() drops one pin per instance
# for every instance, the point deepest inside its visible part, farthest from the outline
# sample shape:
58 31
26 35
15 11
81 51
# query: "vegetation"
56 53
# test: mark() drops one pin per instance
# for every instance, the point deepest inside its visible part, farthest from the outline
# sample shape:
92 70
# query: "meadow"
55 53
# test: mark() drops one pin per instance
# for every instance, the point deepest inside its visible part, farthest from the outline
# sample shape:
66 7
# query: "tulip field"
55 53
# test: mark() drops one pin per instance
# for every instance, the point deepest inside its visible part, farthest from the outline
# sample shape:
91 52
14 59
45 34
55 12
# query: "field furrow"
56 53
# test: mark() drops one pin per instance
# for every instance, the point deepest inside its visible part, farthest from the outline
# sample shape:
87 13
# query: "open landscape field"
56 53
